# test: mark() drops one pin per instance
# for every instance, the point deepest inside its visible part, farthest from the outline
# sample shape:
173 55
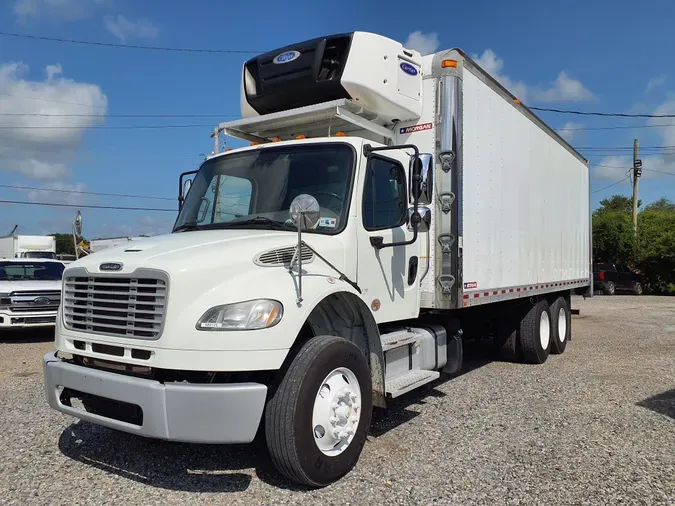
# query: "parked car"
612 278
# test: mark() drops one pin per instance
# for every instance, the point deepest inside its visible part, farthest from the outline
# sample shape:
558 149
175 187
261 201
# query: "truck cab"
317 272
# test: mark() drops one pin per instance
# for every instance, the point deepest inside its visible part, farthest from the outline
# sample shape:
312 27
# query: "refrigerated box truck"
28 246
389 207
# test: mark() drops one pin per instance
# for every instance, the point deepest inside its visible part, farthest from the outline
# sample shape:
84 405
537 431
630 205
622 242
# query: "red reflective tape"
503 291
466 296
486 294
476 295
511 290
518 289
495 292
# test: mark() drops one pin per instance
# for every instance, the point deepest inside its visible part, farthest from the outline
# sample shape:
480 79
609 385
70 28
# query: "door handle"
412 270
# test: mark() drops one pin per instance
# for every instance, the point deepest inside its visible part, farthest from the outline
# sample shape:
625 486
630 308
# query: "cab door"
388 276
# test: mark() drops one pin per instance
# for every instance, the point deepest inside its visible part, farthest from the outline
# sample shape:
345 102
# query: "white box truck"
389 206
28 246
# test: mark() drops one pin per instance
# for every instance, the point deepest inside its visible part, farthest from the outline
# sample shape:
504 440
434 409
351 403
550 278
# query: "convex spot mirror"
426 179
186 187
78 223
304 212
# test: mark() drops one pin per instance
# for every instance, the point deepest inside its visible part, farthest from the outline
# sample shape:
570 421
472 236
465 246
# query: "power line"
613 184
53 101
88 206
661 171
81 192
130 46
605 114
47 115
100 127
623 127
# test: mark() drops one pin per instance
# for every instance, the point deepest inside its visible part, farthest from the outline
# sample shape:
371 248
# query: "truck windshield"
39 254
254 189
31 271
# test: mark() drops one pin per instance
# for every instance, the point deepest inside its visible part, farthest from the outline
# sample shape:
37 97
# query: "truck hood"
214 251
29 286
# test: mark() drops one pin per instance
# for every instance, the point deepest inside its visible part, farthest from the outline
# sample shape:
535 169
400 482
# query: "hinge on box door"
446 201
447 158
446 241
446 281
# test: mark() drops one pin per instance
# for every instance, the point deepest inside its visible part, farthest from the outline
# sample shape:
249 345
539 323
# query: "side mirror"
304 212
426 192
425 218
416 179
186 187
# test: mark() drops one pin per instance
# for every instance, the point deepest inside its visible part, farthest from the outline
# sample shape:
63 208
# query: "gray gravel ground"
593 426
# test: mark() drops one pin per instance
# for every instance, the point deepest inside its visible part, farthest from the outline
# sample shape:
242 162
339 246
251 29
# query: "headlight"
5 299
251 315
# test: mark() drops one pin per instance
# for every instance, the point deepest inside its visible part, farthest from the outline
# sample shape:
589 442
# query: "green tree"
617 203
64 244
656 247
613 237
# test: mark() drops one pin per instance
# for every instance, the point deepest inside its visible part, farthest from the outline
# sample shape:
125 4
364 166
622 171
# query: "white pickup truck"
30 292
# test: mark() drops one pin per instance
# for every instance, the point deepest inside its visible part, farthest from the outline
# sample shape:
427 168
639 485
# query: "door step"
409 381
399 338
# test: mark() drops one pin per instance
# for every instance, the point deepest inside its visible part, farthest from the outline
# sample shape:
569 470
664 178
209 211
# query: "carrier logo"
286 57
41 301
408 69
417 128
111 266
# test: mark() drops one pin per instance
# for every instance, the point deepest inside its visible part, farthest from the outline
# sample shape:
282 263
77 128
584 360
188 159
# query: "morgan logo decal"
471 284
417 128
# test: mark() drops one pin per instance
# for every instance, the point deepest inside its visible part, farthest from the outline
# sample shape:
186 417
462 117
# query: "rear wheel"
535 333
561 325
317 420
609 288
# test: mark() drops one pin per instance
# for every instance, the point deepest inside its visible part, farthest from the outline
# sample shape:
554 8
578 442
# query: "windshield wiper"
190 225
258 220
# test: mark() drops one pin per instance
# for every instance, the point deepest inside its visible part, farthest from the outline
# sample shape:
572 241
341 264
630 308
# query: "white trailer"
28 246
389 207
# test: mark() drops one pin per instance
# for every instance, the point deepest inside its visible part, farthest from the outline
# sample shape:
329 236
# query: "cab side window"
384 196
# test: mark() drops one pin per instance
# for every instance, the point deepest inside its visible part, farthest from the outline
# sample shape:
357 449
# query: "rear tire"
609 288
325 397
561 325
535 333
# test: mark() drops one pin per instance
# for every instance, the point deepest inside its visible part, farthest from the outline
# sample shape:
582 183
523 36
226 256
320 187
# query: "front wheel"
637 288
609 288
317 420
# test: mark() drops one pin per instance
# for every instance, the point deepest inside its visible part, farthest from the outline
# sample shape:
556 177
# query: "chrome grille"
30 301
130 307
283 256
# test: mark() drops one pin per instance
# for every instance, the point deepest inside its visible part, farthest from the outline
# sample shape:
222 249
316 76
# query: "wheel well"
345 315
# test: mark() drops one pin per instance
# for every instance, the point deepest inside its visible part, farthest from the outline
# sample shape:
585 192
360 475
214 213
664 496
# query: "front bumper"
190 413
11 320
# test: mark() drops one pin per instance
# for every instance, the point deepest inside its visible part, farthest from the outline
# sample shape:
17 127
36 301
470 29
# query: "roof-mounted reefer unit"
375 72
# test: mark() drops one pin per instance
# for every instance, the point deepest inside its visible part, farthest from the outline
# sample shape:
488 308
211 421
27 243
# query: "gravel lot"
593 426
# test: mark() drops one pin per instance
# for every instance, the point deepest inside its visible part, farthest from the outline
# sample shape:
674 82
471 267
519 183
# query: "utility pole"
637 172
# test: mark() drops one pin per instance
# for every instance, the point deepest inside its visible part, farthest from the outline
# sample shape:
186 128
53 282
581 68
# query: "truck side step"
399 338
409 381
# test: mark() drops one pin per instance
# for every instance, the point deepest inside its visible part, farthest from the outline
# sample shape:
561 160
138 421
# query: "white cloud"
64 10
65 194
570 130
142 225
125 29
614 168
563 89
655 82
493 65
44 153
425 43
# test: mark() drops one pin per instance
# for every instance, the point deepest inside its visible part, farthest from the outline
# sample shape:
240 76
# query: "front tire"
561 325
535 333
637 288
317 420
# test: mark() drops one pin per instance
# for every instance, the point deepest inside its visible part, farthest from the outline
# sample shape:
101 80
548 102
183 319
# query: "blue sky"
600 56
